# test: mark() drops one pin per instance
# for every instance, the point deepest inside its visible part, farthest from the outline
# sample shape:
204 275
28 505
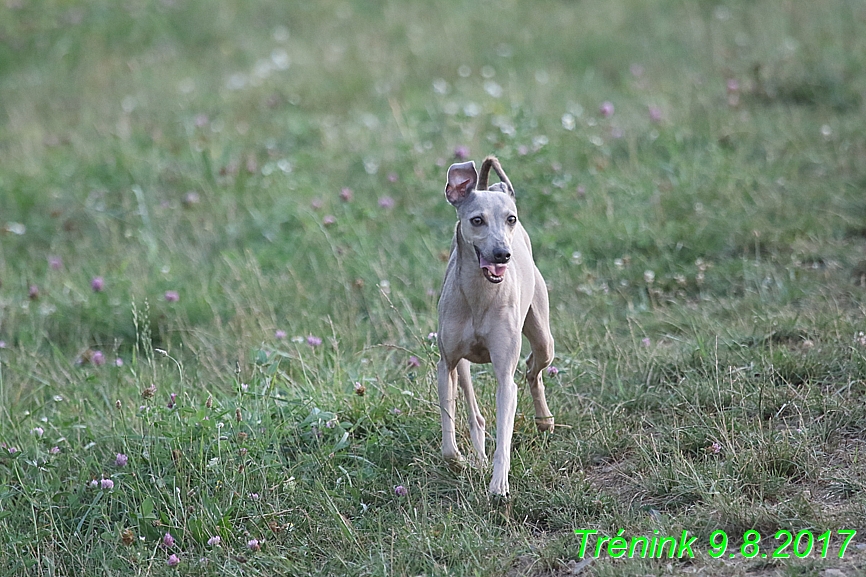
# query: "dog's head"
488 217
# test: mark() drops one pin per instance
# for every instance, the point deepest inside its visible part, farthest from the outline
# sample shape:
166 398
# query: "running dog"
492 293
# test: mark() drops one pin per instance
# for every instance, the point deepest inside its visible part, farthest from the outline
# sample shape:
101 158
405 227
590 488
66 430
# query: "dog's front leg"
504 359
447 377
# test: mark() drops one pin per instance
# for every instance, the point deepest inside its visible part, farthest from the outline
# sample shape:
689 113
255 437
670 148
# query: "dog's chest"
477 336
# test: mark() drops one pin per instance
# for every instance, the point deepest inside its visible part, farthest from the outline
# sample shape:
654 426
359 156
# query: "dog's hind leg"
536 327
447 405
476 420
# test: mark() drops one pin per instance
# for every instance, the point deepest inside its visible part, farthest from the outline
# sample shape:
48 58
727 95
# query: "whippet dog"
492 292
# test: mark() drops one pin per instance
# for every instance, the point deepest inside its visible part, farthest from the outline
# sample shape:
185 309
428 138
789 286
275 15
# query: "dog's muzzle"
493 272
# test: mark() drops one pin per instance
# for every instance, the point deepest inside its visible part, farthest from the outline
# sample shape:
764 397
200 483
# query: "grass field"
223 233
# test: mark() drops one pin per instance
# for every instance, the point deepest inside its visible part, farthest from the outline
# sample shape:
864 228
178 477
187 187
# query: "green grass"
706 274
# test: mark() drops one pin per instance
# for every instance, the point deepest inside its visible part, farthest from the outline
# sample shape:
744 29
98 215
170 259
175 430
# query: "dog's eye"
476 221
512 219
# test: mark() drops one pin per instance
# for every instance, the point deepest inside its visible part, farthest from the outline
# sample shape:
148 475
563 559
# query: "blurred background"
194 146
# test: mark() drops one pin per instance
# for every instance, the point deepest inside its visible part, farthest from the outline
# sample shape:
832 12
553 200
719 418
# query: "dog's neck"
462 243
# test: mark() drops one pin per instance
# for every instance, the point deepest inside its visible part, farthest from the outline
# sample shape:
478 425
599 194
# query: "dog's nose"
501 256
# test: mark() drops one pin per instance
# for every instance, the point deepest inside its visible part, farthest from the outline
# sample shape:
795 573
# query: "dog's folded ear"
504 186
462 179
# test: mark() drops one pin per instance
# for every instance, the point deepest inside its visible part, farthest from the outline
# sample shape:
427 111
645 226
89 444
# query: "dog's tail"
492 161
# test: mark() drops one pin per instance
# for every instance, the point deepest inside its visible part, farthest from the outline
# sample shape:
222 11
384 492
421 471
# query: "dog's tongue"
494 269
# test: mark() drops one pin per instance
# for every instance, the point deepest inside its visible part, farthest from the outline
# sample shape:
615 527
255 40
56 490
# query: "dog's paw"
456 462
502 504
499 488
545 424
477 461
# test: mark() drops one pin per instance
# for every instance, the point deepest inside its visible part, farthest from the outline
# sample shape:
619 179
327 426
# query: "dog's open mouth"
493 272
